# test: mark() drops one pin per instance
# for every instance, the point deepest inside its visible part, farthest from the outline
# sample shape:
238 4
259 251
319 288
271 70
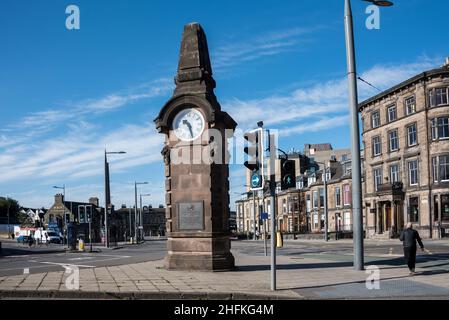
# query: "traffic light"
81 214
67 218
89 213
288 175
255 152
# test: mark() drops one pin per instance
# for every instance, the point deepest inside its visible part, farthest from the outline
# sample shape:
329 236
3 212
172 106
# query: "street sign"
255 180
264 216
140 227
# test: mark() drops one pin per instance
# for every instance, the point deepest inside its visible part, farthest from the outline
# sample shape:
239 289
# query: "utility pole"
107 199
9 206
107 194
135 207
135 213
355 141
272 149
140 218
326 216
130 230
254 214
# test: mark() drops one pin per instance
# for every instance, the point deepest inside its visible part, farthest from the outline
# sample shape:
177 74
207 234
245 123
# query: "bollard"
279 240
81 245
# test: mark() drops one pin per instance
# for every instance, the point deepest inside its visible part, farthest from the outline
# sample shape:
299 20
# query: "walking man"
409 237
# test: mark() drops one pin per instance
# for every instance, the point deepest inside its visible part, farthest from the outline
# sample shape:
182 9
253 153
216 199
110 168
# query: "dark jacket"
409 237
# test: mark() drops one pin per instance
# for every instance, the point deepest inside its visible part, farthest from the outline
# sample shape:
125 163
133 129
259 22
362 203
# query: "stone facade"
339 205
70 208
405 178
294 207
201 186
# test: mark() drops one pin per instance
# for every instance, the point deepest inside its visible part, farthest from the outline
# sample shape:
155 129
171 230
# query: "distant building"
232 221
36 216
153 220
294 215
55 216
339 198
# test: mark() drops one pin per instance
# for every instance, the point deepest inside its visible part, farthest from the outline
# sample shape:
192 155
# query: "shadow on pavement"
27 251
404 277
397 261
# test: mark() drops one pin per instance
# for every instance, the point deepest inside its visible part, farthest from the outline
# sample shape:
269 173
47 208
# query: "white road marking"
65 264
81 258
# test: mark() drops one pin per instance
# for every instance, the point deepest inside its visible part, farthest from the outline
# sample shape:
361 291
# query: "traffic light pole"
90 216
254 214
272 149
326 217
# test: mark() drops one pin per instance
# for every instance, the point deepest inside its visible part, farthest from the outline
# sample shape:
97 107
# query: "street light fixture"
355 134
380 3
135 207
64 221
107 189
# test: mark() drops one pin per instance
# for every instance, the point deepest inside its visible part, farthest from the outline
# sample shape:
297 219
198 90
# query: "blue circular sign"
255 180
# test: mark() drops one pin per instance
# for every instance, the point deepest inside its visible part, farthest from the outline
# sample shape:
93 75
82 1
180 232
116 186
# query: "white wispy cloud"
321 106
45 121
77 154
269 44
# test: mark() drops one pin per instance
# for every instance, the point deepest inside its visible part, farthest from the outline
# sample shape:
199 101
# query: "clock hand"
187 123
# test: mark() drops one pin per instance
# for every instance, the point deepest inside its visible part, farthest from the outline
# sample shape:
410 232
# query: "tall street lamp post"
9 206
135 208
107 193
141 214
355 134
326 217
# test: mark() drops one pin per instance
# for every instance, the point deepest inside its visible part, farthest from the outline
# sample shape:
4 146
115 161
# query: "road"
18 259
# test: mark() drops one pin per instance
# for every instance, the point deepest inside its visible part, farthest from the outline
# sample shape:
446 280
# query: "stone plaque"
190 216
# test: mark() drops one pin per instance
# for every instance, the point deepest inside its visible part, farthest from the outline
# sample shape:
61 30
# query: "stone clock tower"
196 166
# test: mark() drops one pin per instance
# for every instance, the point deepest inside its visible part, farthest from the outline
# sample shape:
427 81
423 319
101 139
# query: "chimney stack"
59 198
95 201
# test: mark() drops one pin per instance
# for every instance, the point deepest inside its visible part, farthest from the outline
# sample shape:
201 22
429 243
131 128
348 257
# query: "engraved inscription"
191 216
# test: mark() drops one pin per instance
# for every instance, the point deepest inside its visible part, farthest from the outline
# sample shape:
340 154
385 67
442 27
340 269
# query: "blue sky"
65 95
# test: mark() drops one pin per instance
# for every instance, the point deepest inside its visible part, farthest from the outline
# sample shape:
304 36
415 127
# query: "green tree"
11 205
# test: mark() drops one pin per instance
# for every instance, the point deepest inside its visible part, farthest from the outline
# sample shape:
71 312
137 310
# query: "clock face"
188 124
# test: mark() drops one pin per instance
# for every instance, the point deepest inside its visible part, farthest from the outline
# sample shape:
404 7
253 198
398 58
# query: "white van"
42 236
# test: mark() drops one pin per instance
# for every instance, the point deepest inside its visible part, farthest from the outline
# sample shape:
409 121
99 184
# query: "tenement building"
336 182
406 152
301 209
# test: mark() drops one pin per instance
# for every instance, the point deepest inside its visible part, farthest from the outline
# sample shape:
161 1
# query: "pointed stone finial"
194 68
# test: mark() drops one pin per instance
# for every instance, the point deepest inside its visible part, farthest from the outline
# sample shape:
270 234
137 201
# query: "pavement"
306 270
